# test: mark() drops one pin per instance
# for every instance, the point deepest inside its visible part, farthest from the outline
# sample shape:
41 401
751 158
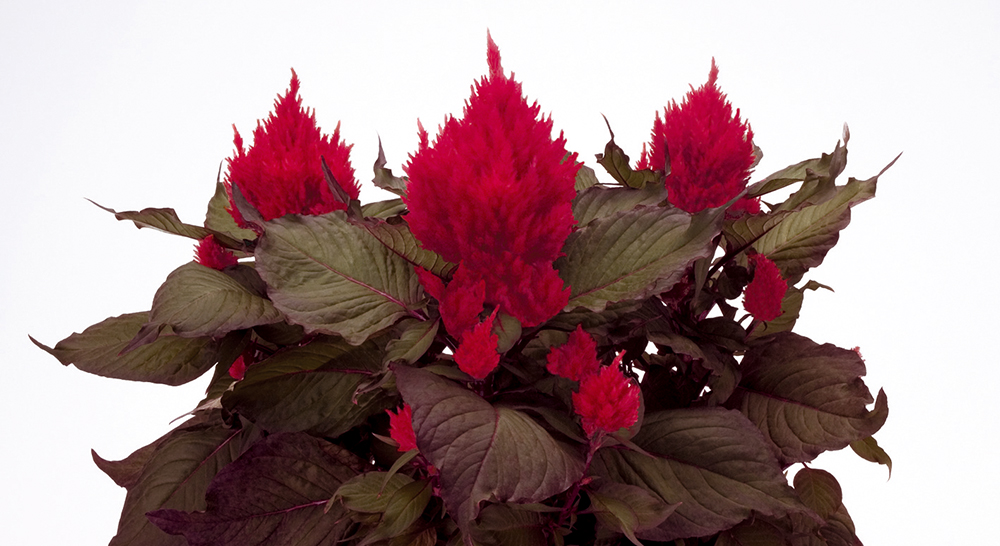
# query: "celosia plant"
509 353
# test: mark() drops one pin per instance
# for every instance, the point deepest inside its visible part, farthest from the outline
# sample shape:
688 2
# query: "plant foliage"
577 371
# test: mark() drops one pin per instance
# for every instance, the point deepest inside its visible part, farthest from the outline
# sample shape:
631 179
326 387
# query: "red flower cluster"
282 172
607 400
710 149
477 354
762 297
576 359
210 253
401 428
493 194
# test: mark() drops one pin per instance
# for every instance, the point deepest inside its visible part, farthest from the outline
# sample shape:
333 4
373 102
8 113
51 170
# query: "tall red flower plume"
575 359
401 428
282 172
607 400
210 253
762 297
710 149
493 194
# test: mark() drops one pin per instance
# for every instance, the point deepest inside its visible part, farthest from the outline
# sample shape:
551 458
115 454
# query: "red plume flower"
477 353
493 194
576 359
762 297
210 253
401 428
607 400
710 149
282 172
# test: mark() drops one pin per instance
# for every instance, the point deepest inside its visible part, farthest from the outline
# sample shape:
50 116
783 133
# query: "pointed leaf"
806 398
170 359
166 220
332 276
869 450
627 508
480 451
219 220
395 234
710 460
126 472
198 301
635 254
403 509
802 238
414 339
272 495
383 209
176 476
828 166
601 201
310 388
384 178
616 163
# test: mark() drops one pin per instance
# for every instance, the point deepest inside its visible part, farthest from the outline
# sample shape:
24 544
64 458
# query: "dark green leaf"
384 178
869 450
509 525
507 330
166 220
627 508
585 178
617 164
634 254
383 209
370 492
170 359
403 509
127 471
396 236
802 239
177 476
332 276
198 301
415 337
310 388
756 532
480 451
828 166
219 220
806 398
272 495
819 490
710 460
601 201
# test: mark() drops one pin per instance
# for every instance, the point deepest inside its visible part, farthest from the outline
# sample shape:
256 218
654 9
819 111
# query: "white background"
131 105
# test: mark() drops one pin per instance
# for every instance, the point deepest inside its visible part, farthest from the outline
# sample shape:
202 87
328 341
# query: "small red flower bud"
210 253
607 400
575 359
401 428
477 353
762 297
